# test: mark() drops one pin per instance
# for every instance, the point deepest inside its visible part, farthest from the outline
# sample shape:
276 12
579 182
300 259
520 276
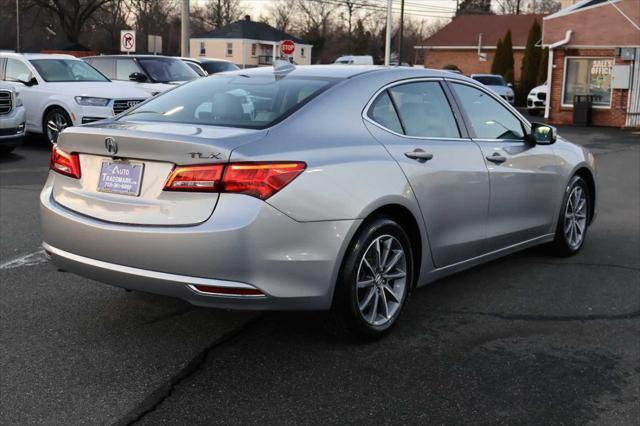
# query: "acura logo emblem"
111 145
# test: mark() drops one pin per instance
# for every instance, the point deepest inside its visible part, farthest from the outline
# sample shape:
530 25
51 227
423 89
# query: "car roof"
131 56
29 56
485 75
202 60
348 71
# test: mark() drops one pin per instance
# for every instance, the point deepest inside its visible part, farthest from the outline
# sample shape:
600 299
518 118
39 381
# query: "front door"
522 174
446 170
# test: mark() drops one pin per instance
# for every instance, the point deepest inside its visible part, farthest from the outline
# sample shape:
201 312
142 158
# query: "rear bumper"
245 244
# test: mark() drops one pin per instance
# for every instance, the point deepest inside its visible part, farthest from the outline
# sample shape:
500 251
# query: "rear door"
522 174
446 170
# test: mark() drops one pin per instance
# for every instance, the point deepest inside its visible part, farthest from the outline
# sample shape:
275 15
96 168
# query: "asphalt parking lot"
528 339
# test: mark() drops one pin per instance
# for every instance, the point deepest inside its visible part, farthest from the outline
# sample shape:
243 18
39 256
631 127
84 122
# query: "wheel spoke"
387 250
52 126
394 276
363 305
374 310
391 293
385 306
379 254
365 283
394 260
366 262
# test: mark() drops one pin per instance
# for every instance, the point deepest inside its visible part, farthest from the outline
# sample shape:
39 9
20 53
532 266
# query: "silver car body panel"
291 246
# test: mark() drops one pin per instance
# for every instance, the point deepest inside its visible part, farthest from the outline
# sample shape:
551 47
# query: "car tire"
533 112
573 221
54 122
375 280
6 149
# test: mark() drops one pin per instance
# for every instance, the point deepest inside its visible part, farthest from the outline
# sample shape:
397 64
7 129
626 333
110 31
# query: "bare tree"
543 6
281 13
152 17
315 23
218 13
72 14
509 7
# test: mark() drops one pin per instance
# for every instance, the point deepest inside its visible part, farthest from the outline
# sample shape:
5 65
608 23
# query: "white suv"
12 119
537 99
59 91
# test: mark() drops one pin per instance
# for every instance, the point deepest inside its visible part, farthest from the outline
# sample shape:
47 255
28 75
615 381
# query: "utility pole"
401 35
18 26
387 44
184 51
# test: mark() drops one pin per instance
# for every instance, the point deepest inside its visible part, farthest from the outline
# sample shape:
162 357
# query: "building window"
302 52
203 50
229 49
588 76
254 49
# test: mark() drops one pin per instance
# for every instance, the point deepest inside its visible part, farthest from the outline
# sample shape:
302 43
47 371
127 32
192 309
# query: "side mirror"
27 80
137 76
542 134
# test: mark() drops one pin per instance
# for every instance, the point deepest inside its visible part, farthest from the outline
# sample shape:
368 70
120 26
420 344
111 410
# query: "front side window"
424 110
489 118
16 69
213 67
167 70
588 76
232 101
490 80
126 67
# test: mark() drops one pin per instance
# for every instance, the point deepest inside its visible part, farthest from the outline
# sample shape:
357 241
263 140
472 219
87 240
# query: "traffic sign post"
127 41
287 47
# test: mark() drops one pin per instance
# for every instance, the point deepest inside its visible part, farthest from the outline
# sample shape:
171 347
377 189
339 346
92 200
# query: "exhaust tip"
227 291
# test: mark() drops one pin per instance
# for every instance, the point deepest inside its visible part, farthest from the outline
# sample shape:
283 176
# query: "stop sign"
287 47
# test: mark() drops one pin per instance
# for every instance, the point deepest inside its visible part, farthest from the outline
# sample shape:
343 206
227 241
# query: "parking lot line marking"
30 259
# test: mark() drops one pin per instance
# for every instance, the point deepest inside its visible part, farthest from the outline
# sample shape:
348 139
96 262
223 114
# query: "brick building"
594 49
469 42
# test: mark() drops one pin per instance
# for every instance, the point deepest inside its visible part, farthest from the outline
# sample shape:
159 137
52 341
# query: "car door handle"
496 158
419 154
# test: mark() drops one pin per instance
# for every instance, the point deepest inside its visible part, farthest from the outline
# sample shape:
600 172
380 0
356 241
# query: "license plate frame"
124 182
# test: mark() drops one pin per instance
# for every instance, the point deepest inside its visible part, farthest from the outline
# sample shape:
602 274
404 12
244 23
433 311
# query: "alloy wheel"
56 122
381 280
575 217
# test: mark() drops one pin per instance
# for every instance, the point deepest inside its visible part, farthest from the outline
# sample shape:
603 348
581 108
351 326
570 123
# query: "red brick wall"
614 116
467 60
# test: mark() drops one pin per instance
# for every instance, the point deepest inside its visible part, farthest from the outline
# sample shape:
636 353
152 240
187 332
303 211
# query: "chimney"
247 18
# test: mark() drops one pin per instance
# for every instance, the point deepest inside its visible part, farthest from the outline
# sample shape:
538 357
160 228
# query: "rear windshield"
167 70
490 80
58 70
215 67
231 100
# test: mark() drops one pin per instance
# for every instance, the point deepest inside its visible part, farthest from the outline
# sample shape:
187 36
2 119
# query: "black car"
210 66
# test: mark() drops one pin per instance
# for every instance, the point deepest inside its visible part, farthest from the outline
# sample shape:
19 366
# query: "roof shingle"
464 30
250 30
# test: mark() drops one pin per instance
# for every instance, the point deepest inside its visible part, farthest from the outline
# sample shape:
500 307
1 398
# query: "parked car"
60 91
497 84
355 60
537 99
344 188
151 73
12 118
210 65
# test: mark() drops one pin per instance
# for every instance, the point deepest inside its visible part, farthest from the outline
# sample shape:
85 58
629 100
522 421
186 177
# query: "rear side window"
424 110
232 101
383 113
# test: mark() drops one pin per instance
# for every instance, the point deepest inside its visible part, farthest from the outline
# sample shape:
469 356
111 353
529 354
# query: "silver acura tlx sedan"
311 188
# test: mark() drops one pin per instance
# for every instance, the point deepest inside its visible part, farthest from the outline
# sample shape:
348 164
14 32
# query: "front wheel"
573 222
375 280
55 122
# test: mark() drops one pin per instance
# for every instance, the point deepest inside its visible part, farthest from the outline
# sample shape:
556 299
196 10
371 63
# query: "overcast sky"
415 9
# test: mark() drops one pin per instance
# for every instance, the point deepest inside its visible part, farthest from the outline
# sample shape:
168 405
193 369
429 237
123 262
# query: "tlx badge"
205 155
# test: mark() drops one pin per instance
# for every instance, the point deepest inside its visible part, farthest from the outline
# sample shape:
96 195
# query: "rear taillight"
195 178
260 180
65 163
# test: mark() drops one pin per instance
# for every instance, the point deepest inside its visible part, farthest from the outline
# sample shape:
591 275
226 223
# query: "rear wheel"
55 121
573 222
375 280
